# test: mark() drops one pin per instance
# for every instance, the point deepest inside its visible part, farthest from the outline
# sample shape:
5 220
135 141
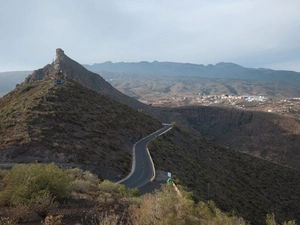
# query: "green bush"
74 173
2 174
167 206
110 187
27 88
83 186
25 184
83 182
134 192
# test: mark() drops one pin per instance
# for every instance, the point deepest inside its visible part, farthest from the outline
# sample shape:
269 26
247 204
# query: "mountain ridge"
70 124
219 70
74 70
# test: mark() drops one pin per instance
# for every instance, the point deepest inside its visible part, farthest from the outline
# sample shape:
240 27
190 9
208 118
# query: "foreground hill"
236 182
265 135
69 123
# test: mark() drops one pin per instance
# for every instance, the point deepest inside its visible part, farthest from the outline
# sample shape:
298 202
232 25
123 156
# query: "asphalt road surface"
142 168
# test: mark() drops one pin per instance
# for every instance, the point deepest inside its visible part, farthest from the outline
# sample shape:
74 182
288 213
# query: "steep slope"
89 79
235 181
265 135
71 124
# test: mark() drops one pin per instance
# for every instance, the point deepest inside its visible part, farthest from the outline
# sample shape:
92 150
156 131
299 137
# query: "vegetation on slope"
70 124
73 196
235 181
265 135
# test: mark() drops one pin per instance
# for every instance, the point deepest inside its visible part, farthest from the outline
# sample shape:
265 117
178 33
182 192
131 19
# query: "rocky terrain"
83 76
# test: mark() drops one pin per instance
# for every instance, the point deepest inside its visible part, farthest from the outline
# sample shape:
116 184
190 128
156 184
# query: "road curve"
142 166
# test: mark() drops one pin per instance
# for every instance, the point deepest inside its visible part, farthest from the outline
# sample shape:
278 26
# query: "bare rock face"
60 54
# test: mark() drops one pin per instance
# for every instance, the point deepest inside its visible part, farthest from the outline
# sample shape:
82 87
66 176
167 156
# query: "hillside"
235 181
70 124
265 135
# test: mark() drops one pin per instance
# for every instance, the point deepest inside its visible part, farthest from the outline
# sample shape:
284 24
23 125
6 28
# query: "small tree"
26 183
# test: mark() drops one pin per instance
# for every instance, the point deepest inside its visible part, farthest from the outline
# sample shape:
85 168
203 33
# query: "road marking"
138 178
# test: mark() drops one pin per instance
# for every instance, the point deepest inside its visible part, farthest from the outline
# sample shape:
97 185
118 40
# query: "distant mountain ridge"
220 70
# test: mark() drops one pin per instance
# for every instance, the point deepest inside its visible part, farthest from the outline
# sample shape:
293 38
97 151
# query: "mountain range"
223 77
220 70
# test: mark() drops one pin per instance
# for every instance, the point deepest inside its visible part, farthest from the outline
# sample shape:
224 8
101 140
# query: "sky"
251 33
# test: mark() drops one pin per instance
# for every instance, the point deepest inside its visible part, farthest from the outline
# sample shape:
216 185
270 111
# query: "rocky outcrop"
77 72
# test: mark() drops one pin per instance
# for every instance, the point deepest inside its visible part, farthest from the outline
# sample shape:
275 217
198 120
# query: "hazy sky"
252 33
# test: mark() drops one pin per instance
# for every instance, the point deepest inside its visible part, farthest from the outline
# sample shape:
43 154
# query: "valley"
161 91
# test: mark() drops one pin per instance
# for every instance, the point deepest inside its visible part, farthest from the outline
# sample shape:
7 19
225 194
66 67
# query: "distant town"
288 107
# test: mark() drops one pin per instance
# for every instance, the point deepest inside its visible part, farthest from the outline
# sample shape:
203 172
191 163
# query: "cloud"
252 33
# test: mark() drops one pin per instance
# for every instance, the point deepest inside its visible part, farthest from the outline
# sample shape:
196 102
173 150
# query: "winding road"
142 167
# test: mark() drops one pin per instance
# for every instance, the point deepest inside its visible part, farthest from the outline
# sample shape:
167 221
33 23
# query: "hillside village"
288 107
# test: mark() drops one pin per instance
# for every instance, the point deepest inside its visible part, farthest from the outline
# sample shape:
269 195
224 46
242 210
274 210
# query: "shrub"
270 220
74 173
169 207
110 187
2 174
44 205
6 221
83 182
26 183
134 192
83 186
27 88
53 220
